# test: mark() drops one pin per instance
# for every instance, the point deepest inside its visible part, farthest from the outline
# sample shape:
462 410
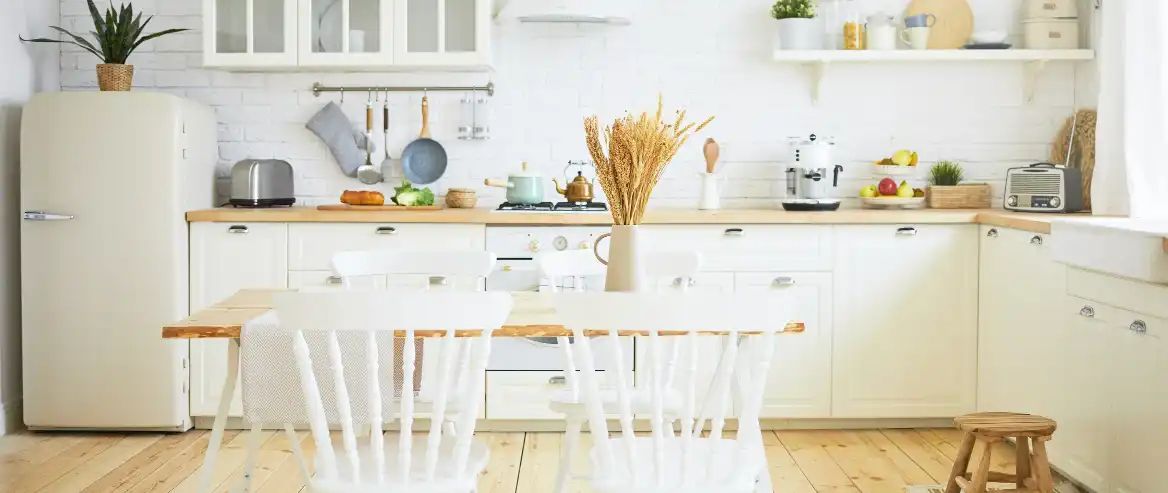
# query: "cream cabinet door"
799 383
249 33
442 33
1138 438
227 257
1083 351
346 33
1021 294
905 333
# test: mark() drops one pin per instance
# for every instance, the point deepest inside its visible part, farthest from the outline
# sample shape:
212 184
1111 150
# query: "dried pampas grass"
1082 149
639 149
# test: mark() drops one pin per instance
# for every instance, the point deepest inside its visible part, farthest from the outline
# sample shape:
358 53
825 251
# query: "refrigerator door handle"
45 216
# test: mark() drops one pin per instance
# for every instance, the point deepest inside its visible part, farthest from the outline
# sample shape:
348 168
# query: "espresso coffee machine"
811 182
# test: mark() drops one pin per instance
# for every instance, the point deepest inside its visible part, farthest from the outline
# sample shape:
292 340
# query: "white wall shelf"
1035 60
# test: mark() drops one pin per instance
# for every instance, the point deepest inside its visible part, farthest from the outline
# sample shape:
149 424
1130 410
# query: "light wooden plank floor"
838 461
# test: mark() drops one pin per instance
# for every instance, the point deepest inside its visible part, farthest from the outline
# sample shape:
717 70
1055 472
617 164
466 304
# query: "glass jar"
853 26
832 12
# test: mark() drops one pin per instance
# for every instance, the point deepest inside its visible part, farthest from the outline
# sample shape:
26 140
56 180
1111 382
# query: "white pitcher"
625 269
709 199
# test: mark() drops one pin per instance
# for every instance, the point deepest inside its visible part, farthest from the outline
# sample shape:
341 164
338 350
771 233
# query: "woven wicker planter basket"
461 198
972 196
115 77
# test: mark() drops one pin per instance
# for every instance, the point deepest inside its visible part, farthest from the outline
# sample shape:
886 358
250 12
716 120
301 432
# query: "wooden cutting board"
367 208
954 22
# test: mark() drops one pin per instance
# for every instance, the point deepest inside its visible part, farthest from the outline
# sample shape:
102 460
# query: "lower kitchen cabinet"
227 257
1138 436
799 383
905 335
1020 313
1080 445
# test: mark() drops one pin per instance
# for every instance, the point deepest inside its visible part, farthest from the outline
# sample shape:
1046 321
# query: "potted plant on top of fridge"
118 33
798 28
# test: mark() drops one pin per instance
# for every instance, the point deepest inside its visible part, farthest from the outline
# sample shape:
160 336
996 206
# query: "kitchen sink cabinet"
905 335
799 383
1021 293
227 257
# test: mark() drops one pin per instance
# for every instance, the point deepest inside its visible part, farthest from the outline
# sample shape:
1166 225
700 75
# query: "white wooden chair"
684 461
660 268
326 352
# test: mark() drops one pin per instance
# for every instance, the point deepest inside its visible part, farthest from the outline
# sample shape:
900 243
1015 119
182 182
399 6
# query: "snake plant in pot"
117 33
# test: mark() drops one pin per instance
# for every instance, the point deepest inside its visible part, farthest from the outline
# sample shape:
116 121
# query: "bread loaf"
362 198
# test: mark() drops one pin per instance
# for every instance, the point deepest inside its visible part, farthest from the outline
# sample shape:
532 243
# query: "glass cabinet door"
346 32
250 33
443 32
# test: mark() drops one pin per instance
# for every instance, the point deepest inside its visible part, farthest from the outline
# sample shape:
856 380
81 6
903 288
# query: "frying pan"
424 160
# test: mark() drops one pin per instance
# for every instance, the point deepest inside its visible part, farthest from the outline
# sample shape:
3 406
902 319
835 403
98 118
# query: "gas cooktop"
557 207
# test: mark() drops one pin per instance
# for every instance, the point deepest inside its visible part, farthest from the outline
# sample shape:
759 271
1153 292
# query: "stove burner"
581 206
540 207
559 207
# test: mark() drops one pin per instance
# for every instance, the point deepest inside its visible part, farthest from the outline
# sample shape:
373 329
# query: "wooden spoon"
711 151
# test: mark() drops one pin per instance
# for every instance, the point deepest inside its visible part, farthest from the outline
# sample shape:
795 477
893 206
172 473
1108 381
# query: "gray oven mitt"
345 142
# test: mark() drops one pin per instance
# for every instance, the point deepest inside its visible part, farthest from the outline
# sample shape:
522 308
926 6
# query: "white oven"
516 248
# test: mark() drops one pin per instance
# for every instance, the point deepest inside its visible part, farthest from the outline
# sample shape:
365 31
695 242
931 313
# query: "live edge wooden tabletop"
532 316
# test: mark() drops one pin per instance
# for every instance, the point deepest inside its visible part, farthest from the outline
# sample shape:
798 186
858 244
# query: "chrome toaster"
262 183
1044 187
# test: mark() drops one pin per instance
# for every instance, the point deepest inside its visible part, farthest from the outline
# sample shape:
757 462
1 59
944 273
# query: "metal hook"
369 96
342 95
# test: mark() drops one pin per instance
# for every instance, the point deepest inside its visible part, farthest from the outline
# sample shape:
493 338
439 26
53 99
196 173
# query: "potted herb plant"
798 28
947 192
118 33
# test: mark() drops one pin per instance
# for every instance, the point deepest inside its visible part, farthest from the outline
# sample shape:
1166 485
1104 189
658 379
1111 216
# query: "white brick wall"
711 57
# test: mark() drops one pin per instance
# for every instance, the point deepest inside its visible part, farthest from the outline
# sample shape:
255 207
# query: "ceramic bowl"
989 37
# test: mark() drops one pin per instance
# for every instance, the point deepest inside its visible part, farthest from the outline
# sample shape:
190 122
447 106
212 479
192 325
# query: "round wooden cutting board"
954 22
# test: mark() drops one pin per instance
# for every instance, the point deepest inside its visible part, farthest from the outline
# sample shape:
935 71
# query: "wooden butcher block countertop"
1039 223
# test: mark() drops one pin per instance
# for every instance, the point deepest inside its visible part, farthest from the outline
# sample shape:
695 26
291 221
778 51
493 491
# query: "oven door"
537 353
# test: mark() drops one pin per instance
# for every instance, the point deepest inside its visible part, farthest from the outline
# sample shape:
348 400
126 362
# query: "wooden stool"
1033 471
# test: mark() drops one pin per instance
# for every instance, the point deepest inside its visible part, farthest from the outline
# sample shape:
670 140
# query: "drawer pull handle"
688 282
784 282
1037 240
386 230
439 281
237 230
739 232
1088 312
906 231
334 280
1139 327
992 233
558 380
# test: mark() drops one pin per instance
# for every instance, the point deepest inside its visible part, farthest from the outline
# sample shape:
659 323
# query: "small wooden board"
398 208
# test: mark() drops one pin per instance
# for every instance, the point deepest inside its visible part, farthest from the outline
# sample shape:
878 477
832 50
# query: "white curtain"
1131 170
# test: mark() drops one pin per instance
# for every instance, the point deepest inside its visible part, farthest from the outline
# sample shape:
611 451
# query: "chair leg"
571 438
253 449
449 429
298 454
1042 466
961 464
981 475
762 483
1022 469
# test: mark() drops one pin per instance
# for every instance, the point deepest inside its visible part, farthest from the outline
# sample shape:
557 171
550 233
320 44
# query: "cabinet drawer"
312 246
1128 294
324 278
522 394
749 247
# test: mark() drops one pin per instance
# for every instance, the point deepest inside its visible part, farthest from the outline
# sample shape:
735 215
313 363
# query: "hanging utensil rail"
318 88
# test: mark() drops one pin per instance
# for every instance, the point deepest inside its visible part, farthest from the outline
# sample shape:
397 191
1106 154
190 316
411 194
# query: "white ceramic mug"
882 37
916 38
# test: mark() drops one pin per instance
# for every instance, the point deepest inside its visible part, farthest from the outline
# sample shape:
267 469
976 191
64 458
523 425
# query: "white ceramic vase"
709 199
799 34
626 270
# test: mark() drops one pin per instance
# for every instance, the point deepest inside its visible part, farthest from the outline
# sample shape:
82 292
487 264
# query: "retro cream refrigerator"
105 181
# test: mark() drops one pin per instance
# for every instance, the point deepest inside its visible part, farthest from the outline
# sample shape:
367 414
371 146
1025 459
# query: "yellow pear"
904 191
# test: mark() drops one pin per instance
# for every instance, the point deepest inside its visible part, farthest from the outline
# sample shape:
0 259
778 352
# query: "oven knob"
533 246
560 243
1055 202
584 245
1012 200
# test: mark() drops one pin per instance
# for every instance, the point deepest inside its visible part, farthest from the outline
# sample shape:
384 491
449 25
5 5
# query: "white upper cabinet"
249 33
348 34
905 335
443 32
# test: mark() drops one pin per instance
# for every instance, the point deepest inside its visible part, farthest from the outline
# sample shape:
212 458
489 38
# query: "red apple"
887 186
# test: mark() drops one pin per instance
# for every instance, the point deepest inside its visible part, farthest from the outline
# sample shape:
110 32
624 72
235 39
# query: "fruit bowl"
893 170
889 202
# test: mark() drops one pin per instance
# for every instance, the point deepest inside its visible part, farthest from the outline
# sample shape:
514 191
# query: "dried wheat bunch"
638 150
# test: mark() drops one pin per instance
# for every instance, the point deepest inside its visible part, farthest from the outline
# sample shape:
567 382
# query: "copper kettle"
579 189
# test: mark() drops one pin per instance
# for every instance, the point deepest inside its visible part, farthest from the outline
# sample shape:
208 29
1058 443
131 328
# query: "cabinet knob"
784 281
1088 312
508 268
533 246
439 281
584 245
386 230
1139 327
237 230
906 231
735 232
558 380
992 233
1037 240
